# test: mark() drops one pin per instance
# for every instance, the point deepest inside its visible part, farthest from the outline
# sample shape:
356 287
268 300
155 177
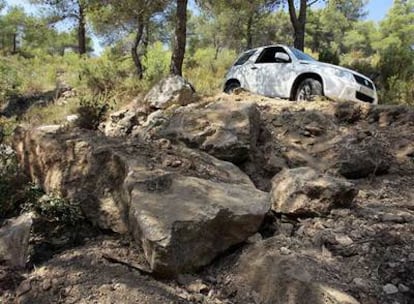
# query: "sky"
377 9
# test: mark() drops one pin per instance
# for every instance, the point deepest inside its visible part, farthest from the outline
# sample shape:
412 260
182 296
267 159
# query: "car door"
272 75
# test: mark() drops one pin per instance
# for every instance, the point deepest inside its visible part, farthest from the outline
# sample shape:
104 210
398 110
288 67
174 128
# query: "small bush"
206 69
13 184
92 110
53 208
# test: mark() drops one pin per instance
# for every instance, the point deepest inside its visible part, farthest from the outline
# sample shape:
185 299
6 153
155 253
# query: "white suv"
285 72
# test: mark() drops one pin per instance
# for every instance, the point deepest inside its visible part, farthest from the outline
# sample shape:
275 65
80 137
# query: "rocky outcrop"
14 240
183 206
173 90
304 191
227 130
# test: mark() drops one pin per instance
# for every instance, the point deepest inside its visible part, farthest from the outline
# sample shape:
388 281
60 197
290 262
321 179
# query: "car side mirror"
282 57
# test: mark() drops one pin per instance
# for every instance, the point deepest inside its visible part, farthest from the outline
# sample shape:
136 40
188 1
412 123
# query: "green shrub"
13 191
53 208
9 80
100 76
399 91
92 110
156 62
206 69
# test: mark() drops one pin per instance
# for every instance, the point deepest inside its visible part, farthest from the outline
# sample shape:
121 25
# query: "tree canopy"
143 34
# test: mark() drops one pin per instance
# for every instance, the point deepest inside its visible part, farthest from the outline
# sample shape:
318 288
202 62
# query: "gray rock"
119 123
179 220
281 278
358 156
184 207
390 289
389 217
72 118
286 229
403 288
255 238
14 240
343 240
361 283
226 130
302 191
173 90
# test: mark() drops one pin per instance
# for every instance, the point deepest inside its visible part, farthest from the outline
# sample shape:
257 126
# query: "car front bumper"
343 89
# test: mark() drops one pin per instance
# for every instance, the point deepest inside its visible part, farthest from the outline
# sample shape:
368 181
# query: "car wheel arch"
301 78
230 82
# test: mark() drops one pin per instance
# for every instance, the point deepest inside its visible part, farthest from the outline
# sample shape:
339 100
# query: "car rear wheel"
231 86
308 89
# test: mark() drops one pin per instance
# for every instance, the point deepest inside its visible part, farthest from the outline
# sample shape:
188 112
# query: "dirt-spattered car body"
285 72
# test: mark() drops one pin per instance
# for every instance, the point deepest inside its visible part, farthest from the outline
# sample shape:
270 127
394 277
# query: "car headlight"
343 74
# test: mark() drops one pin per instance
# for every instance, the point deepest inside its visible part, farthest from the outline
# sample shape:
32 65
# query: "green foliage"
13 191
207 68
101 75
9 81
398 91
36 58
156 62
53 208
92 110
396 63
327 55
17 195
358 61
52 114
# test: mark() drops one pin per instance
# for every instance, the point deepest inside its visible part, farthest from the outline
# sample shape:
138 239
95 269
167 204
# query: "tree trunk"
134 50
299 41
177 58
249 35
298 23
14 47
81 31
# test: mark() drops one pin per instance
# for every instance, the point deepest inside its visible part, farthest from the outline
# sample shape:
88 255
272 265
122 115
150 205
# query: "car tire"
308 89
231 86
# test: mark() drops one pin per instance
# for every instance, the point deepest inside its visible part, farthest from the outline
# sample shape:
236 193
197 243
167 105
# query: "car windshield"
300 55
244 57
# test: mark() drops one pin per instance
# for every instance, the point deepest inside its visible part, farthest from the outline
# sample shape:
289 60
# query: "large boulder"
173 90
358 155
303 191
267 275
14 240
228 130
183 206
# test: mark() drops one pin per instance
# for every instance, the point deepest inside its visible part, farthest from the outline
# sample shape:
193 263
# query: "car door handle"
254 68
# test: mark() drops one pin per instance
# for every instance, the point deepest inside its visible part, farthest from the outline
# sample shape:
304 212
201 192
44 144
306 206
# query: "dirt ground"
366 251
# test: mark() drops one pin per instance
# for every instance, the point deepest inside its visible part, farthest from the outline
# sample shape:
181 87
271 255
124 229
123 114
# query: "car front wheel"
231 86
308 89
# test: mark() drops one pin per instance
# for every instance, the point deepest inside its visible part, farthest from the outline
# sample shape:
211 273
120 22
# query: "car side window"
244 57
268 55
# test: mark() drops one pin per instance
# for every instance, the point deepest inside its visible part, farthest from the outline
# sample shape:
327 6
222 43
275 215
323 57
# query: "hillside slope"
326 251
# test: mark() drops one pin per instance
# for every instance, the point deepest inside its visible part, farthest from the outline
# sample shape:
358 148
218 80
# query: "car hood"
328 65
